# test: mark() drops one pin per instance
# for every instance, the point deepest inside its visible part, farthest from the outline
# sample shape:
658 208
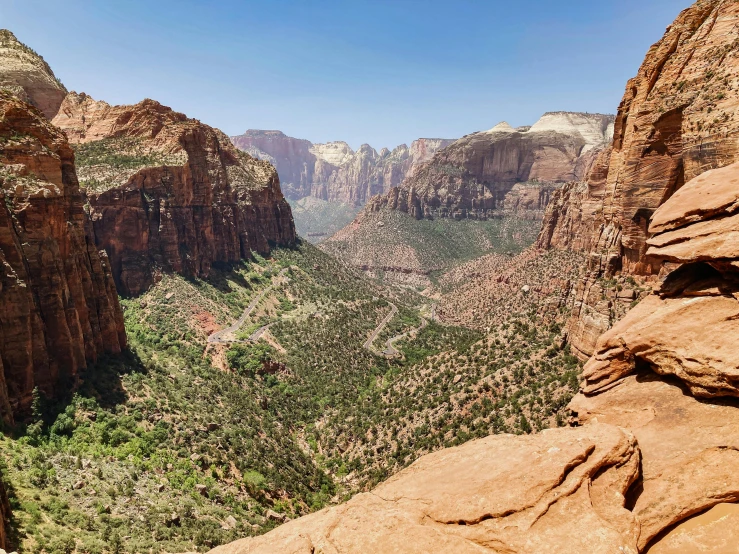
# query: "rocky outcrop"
654 442
471 177
665 379
168 193
664 370
333 171
26 75
559 491
60 309
675 122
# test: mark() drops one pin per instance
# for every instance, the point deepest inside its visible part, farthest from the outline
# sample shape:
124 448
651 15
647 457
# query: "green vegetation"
179 446
316 219
390 238
110 162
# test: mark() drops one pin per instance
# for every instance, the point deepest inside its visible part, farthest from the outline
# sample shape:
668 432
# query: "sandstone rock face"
333 171
689 447
559 491
168 193
471 177
685 334
674 123
659 393
25 74
60 309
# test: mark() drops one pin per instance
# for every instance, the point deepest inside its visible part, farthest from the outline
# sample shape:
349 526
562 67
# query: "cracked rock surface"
561 490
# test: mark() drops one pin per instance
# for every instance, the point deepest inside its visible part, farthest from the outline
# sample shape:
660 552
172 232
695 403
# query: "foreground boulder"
689 447
559 491
60 309
168 193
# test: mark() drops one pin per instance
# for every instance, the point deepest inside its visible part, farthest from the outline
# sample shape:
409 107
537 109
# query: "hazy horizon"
381 73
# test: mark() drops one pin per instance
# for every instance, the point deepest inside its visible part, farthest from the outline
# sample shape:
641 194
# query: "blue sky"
381 72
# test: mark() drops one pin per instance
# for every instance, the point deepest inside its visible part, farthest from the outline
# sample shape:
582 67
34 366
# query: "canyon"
649 462
333 171
328 183
160 193
168 193
490 187
60 307
133 237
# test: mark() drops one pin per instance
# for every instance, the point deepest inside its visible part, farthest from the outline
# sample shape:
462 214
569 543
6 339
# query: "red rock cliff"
676 120
333 171
168 193
60 310
471 177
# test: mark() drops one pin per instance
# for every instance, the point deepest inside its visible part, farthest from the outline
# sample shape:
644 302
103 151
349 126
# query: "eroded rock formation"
60 309
664 379
333 171
168 193
669 371
559 491
471 177
655 438
676 121
26 75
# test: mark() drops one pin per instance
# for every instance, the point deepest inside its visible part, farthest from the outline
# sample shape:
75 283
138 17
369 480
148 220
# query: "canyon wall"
676 120
333 171
26 75
60 308
169 193
650 463
471 177
651 460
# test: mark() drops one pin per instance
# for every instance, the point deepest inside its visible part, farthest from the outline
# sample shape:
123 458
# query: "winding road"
379 328
218 336
390 350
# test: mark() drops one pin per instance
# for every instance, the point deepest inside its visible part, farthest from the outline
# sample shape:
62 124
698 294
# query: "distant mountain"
471 177
498 182
333 173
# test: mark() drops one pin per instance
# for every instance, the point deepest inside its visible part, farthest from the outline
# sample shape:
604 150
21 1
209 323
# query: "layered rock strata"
669 371
333 171
26 75
471 177
168 193
60 309
676 121
652 459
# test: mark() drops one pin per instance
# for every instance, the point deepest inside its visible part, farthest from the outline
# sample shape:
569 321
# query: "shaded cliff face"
333 171
676 121
25 74
471 177
168 193
60 308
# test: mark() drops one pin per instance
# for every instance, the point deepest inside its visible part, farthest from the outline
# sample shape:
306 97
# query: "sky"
380 72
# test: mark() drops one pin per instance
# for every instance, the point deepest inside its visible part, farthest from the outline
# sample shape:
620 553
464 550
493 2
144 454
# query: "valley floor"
184 444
